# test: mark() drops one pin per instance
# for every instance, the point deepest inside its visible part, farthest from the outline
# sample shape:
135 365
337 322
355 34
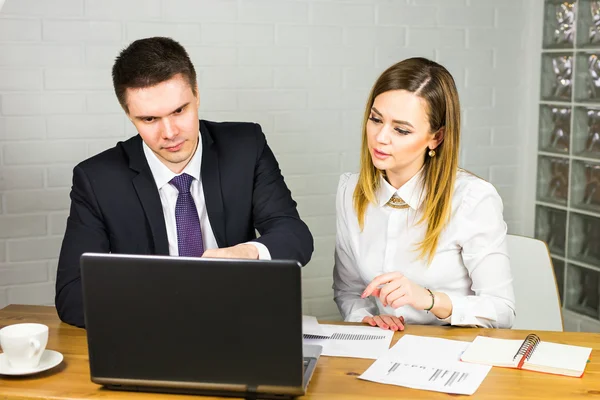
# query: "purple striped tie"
189 234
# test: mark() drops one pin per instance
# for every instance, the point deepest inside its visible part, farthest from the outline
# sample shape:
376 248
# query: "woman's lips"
380 154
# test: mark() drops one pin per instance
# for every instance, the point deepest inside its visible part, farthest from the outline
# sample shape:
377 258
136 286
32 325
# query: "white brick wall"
302 69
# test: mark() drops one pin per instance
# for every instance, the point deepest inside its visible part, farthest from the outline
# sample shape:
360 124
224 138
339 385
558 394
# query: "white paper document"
352 341
427 363
310 326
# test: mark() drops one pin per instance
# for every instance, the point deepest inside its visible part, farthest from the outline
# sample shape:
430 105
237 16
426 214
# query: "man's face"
166 117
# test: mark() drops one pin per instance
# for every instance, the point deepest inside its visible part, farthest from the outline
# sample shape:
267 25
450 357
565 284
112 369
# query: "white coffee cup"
23 344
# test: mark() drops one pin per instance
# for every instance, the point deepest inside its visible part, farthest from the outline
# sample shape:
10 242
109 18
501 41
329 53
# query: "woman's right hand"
390 322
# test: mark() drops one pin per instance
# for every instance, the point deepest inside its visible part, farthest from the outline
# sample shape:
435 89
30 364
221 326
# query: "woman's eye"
376 120
402 131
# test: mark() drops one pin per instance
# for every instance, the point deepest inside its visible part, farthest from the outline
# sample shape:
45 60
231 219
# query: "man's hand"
244 250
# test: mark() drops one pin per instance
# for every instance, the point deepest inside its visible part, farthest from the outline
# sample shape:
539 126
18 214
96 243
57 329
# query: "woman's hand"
396 290
390 322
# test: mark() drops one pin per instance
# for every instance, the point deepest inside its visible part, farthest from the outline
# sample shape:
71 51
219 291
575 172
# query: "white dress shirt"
471 263
168 197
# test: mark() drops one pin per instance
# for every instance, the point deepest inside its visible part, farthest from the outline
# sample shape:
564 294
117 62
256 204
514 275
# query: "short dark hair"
148 62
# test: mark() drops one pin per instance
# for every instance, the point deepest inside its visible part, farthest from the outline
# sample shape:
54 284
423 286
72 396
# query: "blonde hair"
434 84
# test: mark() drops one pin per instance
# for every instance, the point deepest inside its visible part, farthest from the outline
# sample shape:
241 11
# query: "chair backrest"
536 292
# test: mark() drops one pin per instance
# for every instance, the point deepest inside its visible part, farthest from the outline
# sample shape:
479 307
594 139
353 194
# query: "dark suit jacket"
116 207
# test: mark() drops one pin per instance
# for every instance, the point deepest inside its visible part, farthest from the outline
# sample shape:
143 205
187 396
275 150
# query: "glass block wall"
568 181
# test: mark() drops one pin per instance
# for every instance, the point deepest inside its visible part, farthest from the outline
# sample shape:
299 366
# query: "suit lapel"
211 184
147 192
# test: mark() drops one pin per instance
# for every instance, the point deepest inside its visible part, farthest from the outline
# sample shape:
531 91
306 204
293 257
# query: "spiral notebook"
531 354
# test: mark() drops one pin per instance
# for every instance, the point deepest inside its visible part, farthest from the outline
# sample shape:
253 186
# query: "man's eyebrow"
153 116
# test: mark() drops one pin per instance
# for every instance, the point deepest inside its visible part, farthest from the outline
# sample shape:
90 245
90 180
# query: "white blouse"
471 263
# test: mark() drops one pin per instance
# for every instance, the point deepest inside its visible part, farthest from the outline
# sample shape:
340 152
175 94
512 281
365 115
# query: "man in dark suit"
181 187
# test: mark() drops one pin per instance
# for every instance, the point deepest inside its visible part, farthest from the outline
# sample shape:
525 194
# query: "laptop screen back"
193 320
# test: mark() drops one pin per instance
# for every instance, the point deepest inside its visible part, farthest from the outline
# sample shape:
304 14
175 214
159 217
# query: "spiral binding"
528 346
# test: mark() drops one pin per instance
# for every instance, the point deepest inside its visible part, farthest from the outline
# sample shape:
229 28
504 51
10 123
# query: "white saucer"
50 359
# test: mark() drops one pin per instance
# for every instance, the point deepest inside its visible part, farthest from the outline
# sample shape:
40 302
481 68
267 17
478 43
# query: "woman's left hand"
396 290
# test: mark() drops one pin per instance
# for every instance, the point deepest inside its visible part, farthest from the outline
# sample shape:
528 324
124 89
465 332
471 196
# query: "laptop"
194 325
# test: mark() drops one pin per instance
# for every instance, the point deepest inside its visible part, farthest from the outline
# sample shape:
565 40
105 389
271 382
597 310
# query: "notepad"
531 354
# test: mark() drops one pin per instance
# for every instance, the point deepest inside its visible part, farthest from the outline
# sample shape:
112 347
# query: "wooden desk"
334 378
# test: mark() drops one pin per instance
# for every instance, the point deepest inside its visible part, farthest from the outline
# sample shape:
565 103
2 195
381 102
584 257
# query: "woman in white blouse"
419 240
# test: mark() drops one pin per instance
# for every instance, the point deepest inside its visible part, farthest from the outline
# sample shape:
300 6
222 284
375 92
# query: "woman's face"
398 135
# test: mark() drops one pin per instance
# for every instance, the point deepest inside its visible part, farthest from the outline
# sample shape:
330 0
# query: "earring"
432 153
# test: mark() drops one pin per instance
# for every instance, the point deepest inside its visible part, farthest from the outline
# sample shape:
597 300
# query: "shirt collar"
163 175
412 192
